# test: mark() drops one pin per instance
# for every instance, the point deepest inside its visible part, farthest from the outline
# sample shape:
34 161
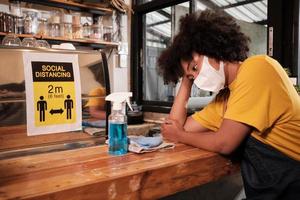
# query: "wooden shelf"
70 5
57 40
98 9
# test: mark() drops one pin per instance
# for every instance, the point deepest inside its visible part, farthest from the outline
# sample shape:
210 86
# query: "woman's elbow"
226 151
224 148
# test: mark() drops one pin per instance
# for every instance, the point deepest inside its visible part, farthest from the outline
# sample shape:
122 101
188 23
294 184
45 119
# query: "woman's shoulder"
259 63
257 58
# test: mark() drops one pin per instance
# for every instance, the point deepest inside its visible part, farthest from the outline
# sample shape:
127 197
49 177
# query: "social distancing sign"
54 93
54 86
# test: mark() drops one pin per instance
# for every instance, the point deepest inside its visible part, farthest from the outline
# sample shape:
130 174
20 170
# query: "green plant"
297 87
287 70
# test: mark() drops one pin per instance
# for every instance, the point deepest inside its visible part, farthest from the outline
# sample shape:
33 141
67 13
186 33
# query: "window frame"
137 54
285 43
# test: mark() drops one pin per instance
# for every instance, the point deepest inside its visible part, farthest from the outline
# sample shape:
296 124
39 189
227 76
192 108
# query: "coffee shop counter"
91 173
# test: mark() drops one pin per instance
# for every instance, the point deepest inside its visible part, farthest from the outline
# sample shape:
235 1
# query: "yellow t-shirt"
100 93
263 97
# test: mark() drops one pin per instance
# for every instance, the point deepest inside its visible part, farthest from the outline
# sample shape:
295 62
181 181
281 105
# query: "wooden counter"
15 137
90 173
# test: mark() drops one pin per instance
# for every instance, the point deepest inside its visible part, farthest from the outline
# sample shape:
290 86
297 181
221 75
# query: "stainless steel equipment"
93 74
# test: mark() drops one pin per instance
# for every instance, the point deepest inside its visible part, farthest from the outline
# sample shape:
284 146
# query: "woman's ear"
198 58
184 64
195 56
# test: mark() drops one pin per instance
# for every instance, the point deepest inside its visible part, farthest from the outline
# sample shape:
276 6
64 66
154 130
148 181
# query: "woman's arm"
224 141
179 110
193 126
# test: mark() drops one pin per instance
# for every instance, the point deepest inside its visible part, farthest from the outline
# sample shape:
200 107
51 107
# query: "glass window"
252 17
159 28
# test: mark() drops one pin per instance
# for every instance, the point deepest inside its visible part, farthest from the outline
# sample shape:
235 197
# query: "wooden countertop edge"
136 179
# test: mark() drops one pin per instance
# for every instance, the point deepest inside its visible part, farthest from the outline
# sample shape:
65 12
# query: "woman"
256 104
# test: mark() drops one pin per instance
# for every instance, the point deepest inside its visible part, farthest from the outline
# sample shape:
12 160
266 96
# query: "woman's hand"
171 130
187 83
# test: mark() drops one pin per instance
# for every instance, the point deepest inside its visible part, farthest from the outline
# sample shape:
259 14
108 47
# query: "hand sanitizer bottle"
117 123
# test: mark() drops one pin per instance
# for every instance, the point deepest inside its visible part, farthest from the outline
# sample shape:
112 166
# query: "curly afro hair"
211 33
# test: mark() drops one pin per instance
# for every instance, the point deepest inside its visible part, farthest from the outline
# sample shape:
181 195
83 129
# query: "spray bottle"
117 123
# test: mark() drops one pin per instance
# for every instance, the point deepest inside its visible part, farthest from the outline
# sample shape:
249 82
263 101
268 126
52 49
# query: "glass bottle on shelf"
96 31
107 33
15 8
30 21
77 31
55 25
76 19
67 27
76 25
1 21
55 30
43 27
86 30
28 25
19 25
14 24
9 24
97 19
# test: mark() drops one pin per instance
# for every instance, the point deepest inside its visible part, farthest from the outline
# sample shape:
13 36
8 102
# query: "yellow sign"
54 91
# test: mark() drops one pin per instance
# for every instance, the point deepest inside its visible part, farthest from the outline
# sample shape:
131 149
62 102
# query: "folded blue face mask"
147 142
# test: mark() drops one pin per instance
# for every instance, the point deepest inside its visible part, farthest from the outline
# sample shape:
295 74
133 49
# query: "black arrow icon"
56 111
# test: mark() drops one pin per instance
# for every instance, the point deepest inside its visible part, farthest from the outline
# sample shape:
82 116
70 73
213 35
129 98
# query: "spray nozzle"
118 98
128 103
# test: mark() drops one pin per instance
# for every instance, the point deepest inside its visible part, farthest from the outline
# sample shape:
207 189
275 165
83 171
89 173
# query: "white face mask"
209 78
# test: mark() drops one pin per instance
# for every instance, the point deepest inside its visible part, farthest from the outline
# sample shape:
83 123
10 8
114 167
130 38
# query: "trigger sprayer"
117 123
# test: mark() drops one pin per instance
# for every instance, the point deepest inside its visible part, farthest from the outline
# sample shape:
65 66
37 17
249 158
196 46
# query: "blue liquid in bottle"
117 138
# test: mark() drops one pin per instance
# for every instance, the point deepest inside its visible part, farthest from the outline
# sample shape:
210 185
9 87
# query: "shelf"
70 5
82 42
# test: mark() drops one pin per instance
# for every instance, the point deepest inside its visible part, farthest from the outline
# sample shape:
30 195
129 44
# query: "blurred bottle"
19 25
96 32
55 24
76 26
30 21
67 27
15 8
43 27
86 31
107 33
9 24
